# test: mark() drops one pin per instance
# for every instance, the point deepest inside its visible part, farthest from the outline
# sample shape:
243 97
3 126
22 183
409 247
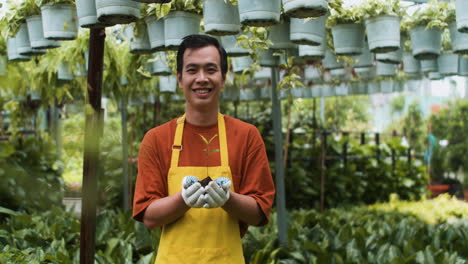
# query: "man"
202 224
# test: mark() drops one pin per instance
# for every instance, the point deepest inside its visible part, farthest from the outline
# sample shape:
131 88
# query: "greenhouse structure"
362 106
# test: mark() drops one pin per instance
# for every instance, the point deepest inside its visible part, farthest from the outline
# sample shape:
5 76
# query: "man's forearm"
164 211
244 208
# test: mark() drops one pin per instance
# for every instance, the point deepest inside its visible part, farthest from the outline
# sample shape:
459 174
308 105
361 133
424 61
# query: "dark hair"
199 41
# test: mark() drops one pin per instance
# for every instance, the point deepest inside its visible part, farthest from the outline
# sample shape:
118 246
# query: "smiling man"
202 222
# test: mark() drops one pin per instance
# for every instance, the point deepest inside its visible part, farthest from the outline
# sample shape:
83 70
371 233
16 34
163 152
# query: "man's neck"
201 118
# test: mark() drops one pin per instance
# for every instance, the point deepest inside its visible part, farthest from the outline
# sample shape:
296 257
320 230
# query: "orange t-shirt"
247 158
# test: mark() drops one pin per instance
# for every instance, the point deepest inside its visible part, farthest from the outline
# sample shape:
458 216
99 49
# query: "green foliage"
398 104
432 15
446 40
386 233
291 78
30 174
162 10
53 2
341 15
375 8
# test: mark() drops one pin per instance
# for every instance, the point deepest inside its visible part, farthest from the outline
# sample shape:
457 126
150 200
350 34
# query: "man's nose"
202 77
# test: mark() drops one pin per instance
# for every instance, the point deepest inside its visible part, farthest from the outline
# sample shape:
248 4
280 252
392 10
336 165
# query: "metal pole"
123 113
279 169
91 153
322 171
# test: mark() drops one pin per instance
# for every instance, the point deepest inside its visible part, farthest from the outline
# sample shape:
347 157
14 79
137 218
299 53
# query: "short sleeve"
257 181
150 184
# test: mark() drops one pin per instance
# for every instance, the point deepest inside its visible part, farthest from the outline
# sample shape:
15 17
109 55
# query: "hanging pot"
459 40
279 35
366 73
373 87
112 12
220 17
139 40
348 39
168 84
266 59
160 66
461 9
366 59
386 86
64 73
239 64
155 33
312 73
247 95
307 32
413 85
448 63
3 65
429 66
426 43
392 56
36 34
305 8
312 52
434 76
263 74
410 64
316 91
59 21
463 65
179 24
330 61
23 46
232 48
386 69
13 54
383 33
87 13
338 74
327 91
259 13
231 93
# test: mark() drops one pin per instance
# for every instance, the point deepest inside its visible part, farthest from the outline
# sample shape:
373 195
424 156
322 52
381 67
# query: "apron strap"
177 146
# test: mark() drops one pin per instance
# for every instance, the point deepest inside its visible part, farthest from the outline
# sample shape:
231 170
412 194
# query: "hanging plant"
53 2
342 15
432 15
162 10
13 18
375 8
254 39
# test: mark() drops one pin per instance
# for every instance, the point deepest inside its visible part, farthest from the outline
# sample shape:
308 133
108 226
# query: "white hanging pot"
36 34
160 66
267 59
463 65
12 53
168 84
312 52
279 35
239 64
366 59
383 33
64 73
220 17
87 13
461 12
179 24
330 61
312 73
59 21
348 39
429 66
448 63
410 64
305 8
112 12
459 40
23 45
259 13
426 43
232 48
155 33
307 32
139 40
386 69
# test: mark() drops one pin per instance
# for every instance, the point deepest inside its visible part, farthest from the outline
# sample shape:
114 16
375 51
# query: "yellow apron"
201 236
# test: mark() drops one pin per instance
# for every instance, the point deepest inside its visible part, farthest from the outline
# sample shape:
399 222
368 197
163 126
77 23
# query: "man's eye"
191 70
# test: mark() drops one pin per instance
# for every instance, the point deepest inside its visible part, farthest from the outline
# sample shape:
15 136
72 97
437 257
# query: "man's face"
201 78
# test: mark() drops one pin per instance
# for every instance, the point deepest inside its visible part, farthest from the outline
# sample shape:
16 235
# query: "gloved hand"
192 192
217 192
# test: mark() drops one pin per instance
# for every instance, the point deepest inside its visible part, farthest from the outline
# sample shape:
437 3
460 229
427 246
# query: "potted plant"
366 59
58 19
259 13
155 26
279 35
386 69
392 56
307 31
32 13
459 39
331 61
447 61
181 18
232 46
462 15
426 26
220 17
87 14
379 15
161 63
312 53
346 28
429 66
137 34
463 65
112 12
13 54
305 8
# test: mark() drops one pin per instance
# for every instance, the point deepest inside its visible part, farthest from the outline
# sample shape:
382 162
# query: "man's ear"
179 78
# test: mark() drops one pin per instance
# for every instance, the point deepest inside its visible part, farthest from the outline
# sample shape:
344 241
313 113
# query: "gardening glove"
217 192
192 192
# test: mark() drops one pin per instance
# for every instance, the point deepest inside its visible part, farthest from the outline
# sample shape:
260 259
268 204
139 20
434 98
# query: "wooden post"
91 151
123 113
363 138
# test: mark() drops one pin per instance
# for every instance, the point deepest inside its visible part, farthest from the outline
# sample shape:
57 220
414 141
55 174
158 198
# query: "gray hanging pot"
316 91
429 66
410 64
463 65
23 46
220 17
392 56
448 63
279 35
36 34
179 24
307 32
386 86
459 40
330 61
64 73
434 76
232 48
312 73
305 8
139 40
366 73
386 69
263 74
112 12
87 13
160 66
426 43
168 84
59 21
155 33
13 54
383 33
373 87
239 64
312 52
259 13
366 59
266 59
348 39
461 9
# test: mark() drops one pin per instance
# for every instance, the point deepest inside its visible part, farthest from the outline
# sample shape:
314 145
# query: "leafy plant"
446 40
161 10
341 15
432 15
53 2
375 8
